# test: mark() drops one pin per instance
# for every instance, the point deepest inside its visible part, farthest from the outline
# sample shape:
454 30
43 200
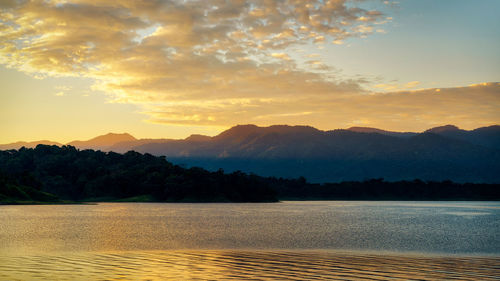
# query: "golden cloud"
154 51
214 62
470 106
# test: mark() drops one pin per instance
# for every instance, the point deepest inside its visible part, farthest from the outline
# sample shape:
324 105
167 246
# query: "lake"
300 240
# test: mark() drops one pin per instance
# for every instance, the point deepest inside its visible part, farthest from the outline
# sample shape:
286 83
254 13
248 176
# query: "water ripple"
245 265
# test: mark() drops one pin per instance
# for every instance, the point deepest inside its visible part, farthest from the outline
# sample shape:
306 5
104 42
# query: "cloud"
317 65
156 51
397 86
313 55
282 56
63 88
412 84
470 107
214 62
59 94
319 39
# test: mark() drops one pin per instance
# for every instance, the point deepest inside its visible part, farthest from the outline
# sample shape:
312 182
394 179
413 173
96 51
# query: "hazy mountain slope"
246 141
124 146
382 132
357 153
485 136
102 142
335 155
32 144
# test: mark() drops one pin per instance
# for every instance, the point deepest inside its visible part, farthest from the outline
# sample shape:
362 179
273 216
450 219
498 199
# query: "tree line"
57 174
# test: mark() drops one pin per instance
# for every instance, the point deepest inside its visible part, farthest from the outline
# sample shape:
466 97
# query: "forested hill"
354 154
71 174
54 174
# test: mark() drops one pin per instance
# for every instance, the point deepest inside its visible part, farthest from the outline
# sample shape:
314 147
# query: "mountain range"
357 153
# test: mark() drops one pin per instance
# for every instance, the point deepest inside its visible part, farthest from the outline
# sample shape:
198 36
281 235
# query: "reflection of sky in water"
419 227
470 205
244 265
465 214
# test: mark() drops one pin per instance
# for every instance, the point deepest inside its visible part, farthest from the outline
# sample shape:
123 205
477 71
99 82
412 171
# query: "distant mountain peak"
365 130
443 129
488 128
369 130
197 137
288 128
121 135
114 137
31 144
242 131
108 139
238 130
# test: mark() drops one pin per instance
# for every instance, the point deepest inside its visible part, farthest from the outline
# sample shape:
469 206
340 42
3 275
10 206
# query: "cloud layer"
217 62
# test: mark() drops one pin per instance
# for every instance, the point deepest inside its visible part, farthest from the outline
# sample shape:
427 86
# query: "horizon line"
228 128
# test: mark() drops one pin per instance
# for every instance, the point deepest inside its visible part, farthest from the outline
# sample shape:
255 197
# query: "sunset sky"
77 69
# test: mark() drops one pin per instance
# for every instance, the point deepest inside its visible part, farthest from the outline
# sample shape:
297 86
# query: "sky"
167 69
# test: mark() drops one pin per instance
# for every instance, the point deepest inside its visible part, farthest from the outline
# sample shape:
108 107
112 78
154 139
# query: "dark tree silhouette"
52 173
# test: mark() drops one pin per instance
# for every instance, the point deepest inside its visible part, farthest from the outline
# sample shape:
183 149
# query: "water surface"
292 240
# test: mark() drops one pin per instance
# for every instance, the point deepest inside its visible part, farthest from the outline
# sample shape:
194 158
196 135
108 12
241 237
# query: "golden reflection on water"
147 241
244 265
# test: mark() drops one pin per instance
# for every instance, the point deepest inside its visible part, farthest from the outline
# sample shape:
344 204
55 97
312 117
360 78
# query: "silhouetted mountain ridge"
329 156
382 132
103 142
441 129
357 153
31 144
